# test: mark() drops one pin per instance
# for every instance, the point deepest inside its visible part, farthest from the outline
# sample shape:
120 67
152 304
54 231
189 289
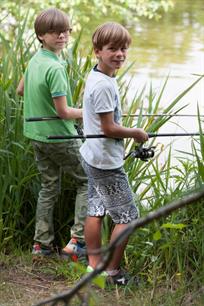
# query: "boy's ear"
40 37
97 52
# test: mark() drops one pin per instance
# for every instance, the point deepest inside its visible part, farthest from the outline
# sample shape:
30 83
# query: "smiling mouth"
118 62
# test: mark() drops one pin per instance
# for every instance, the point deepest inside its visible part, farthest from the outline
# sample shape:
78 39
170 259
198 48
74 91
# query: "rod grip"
33 119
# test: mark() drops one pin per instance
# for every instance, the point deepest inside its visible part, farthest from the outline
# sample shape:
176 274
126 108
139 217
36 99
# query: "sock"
112 272
90 269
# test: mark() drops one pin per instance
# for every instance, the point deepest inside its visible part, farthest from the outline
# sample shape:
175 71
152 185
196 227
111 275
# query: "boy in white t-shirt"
108 188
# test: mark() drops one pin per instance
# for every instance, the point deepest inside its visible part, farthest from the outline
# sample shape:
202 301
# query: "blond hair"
51 20
110 32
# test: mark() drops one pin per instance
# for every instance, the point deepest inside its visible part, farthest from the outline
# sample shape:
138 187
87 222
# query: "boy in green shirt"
46 93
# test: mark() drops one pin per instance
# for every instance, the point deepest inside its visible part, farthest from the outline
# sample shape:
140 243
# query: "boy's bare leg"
119 251
92 231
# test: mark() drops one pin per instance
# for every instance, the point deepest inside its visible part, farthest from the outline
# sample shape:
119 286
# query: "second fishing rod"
151 135
50 118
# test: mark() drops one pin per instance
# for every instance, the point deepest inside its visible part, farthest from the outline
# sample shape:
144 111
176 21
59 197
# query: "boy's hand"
80 120
140 135
20 88
80 114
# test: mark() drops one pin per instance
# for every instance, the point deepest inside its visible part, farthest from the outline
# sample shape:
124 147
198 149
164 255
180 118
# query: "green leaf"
100 281
173 225
157 235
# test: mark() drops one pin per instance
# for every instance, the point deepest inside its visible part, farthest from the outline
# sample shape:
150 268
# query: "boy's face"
54 41
111 58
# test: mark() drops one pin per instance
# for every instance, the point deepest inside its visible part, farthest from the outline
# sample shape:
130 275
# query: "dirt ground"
25 286
24 283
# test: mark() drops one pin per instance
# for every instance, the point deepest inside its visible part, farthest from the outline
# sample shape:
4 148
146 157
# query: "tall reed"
171 251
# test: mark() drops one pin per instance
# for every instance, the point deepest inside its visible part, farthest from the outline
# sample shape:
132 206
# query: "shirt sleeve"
103 99
57 82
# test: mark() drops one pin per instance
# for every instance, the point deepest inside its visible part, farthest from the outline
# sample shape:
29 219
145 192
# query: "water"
172 46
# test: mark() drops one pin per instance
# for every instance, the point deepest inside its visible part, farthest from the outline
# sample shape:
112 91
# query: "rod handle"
33 119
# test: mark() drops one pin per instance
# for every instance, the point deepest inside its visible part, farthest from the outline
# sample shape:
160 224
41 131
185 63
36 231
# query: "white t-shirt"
101 96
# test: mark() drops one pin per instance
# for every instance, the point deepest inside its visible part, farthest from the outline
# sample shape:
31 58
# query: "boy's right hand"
140 135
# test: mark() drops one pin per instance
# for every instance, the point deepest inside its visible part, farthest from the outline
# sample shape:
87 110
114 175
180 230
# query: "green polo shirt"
45 78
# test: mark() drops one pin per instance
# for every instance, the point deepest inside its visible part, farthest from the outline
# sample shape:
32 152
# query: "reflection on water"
174 46
171 40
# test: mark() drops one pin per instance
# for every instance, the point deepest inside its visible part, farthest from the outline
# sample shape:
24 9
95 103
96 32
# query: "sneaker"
39 249
122 278
75 250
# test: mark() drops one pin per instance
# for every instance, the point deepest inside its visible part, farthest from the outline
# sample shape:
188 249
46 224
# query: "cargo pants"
52 159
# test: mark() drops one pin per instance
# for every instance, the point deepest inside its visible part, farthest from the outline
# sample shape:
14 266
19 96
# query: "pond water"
172 46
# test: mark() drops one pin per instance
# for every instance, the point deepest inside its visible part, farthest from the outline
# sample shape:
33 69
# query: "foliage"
130 9
172 246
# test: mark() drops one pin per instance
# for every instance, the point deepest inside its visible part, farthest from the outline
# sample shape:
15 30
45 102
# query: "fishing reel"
142 153
79 130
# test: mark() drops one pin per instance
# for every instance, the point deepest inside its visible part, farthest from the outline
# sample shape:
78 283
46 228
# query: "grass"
24 282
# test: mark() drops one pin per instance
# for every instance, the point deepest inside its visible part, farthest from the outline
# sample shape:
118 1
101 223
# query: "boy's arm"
64 111
112 129
20 88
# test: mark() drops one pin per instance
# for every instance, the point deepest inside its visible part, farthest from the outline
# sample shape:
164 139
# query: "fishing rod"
160 115
33 119
48 118
151 135
143 153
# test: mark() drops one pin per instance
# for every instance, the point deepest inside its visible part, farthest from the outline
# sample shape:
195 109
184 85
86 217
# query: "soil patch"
25 286
29 284
24 283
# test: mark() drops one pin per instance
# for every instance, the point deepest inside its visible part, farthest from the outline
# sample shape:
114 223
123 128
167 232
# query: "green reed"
171 250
